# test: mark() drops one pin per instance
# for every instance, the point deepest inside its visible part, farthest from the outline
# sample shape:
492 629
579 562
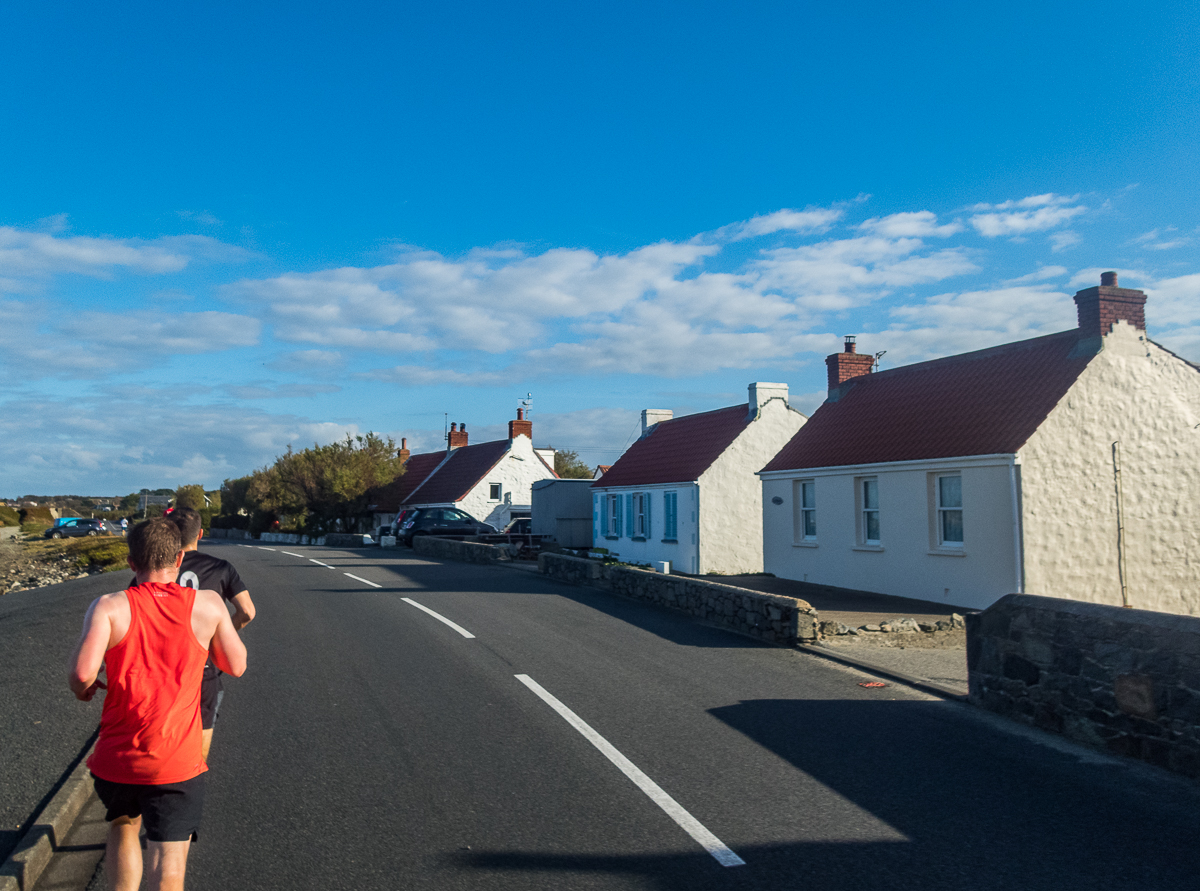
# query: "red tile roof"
679 450
982 403
416 470
454 479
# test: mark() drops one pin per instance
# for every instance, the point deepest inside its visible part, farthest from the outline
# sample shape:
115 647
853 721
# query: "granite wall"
769 617
1121 680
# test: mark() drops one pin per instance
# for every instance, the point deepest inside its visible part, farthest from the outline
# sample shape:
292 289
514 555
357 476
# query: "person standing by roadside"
152 641
204 571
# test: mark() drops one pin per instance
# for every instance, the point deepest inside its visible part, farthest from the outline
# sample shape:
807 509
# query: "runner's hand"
86 695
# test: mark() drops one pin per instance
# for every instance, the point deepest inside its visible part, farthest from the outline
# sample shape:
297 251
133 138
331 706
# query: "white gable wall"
1136 392
680 552
516 473
730 521
908 562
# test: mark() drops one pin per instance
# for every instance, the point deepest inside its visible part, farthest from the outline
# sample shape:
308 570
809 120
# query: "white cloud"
1060 241
421 376
919 224
309 361
1045 272
1033 214
811 220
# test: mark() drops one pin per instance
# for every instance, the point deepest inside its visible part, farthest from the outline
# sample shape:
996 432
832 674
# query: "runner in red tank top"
152 640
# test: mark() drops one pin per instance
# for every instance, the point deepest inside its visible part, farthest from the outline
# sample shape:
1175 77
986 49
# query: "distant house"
970 477
686 492
600 470
492 481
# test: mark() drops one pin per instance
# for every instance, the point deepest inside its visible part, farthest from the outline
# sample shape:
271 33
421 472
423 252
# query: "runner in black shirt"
205 572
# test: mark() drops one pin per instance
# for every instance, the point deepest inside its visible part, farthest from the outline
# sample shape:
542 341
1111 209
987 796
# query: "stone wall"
1122 680
459 551
293 538
338 540
769 617
236 534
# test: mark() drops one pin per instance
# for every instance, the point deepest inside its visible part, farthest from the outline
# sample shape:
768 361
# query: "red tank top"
150 726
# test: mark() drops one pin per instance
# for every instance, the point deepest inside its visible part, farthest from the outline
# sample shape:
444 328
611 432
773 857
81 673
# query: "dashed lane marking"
360 579
670 806
261 548
459 628
319 563
290 554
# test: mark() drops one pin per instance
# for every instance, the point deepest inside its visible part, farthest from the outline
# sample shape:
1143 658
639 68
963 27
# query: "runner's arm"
243 610
228 651
83 669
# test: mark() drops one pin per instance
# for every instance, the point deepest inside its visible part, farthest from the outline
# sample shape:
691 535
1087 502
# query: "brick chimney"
457 438
846 365
520 427
1099 308
403 453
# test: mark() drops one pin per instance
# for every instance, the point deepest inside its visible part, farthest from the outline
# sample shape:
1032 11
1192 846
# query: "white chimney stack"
652 416
761 393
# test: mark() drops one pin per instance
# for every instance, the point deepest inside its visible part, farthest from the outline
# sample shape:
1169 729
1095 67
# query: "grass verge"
89 554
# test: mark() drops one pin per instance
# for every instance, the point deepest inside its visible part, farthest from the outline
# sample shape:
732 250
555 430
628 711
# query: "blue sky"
224 230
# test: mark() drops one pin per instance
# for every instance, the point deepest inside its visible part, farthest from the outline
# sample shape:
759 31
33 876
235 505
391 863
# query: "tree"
569 467
190 496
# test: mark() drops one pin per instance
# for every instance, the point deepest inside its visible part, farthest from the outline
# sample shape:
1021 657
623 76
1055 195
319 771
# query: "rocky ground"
35 563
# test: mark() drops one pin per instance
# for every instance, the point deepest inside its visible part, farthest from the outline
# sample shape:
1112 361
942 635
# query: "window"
949 511
612 514
805 495
640 527
670 516
493 491
870 511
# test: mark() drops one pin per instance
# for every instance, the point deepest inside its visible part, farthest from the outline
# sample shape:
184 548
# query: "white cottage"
1066 466
492 481
685 492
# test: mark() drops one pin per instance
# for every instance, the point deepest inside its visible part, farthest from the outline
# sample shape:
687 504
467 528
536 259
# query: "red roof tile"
416 470
982 403
679 450
454 479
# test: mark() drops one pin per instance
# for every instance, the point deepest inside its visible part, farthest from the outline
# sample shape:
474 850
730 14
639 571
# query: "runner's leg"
123 854
205 743
166 862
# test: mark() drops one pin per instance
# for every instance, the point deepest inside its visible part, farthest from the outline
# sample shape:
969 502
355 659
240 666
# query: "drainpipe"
1116 453
1018 556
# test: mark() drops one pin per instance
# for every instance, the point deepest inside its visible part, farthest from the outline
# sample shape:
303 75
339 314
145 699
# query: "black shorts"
211 692
170 812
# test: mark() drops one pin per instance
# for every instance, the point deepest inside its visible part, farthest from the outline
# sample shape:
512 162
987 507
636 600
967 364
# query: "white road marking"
364 581
261 548
670 806
319 563
290 554
459 628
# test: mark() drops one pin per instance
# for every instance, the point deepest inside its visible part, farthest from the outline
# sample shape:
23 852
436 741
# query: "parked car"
445 521
77 528
519 526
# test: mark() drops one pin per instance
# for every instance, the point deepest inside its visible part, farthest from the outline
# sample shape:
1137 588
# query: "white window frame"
612 510
494 491
805 514
942 510
862 485
640 516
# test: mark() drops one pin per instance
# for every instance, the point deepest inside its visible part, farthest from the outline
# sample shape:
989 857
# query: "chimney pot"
458 436
851 340
521 426
1108 279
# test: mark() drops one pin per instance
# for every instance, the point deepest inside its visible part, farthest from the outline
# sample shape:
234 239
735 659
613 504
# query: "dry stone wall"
768 617
1122 680
459 551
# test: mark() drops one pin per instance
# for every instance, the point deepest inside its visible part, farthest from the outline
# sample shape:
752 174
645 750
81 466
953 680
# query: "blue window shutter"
617 516
646 499
597 515
629 512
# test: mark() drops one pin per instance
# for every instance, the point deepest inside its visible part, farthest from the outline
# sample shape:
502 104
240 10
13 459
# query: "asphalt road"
372 746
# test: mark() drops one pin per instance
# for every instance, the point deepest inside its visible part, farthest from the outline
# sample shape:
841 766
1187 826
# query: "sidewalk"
940 657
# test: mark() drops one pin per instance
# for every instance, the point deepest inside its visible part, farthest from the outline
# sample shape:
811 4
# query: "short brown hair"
154 544
188 521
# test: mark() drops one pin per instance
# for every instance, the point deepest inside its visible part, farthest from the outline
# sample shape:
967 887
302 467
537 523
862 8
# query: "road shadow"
668 624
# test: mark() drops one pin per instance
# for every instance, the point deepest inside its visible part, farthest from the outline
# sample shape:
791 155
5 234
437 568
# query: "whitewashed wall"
516 473
1136 392
681 553
731 497
908 562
